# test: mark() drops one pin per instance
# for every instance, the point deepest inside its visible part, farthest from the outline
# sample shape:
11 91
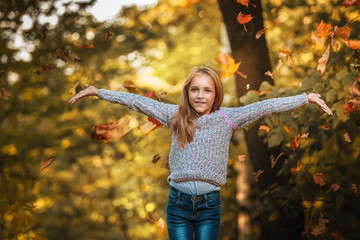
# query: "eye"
208 90
194 89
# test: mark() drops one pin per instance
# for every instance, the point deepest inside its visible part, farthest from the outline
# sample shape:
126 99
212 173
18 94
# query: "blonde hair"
183 120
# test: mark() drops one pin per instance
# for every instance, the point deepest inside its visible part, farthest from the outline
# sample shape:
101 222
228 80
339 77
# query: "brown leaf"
287 53
45 68
6 93
342 32
320 228
73 55
347 138
113 129
353 187
72 90
275 160
355 94
337 235
148 127
349 3
257 174
109 34
42 35
2 73
323 61
260 33
130 86
156 158
46 162
320 179
61 54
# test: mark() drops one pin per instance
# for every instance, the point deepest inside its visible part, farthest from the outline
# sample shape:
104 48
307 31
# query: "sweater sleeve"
243 116
160 111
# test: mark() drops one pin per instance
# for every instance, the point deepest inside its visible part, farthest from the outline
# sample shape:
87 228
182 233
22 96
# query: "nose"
200 94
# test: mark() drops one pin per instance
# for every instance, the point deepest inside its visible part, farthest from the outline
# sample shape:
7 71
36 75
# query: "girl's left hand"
315 98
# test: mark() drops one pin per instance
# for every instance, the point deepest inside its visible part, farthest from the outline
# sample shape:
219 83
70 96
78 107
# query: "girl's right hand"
88 91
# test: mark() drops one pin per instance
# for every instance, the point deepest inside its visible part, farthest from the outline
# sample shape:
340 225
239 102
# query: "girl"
201 131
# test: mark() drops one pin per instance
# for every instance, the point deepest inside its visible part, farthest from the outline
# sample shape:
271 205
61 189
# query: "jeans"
193 215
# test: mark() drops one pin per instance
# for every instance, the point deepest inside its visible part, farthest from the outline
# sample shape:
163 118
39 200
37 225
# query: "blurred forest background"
96 170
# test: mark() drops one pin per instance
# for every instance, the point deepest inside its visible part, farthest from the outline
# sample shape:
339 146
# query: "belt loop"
178 195
205 196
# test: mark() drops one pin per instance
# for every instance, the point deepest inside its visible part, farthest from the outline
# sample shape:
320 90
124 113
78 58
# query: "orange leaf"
335 187
90 45
355 94
286 128
222 58
320 179
343 32
257 174
349 3
227 64
324 127
241 157
322 33
46 162
297 169
323 61
260 33
354 44
113 129
109 34
353 187
242 19
265 128
305 135
287 53
320 228
349 107
275 160
130 86
295 142
148 127
347 138
244 2
72 90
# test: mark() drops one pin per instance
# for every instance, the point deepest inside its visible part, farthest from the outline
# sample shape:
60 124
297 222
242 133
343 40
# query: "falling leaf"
260 33
148 127
2 73
72 90
342 32
241 157
335 187
355 94
320 228
320 179
277 68
246 3
45 68
113 129
46 162
322 33
287 53
156 158
257 174
243 19
161 224
324 127
297 169
227 64
130 86
323 61
354 44
60 54
42 35
73 55
270 74
6 93
90 45
347 138
349 3
265 128
275 160
295 142
305 135
353 187
349 107
286 128
337 235
109 34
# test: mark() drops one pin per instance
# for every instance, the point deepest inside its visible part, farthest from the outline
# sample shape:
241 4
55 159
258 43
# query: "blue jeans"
193 215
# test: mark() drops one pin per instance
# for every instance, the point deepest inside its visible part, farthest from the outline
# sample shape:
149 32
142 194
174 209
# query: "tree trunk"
254 58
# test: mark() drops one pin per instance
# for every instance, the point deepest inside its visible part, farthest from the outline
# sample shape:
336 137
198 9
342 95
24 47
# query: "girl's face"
201 94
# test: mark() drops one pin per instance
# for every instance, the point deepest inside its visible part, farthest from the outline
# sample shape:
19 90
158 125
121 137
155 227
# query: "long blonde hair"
183 120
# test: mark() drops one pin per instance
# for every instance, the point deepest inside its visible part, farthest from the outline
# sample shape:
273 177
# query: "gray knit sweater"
206 157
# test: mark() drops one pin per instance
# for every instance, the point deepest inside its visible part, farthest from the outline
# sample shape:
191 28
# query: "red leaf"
337 235
323 60
242 19
297 169
349 107
343 32
295 142
114 129
90 45
46 162
109 34
60 54
322 33
349 3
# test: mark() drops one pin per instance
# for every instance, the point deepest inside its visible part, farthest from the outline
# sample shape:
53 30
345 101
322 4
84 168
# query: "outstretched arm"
245 115
160 111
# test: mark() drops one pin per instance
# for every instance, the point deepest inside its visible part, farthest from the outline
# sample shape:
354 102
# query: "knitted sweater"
206 157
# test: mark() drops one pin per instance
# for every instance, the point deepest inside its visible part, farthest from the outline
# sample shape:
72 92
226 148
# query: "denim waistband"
186 196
